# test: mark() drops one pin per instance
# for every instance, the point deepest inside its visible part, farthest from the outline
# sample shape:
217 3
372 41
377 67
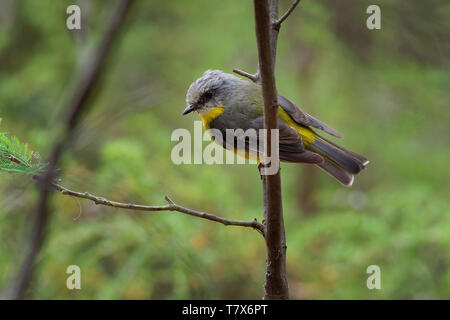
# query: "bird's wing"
286 134
303 118
291 148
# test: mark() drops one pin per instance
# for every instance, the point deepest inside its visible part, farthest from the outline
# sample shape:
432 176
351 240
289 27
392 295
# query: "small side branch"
171 206
253 77
277 24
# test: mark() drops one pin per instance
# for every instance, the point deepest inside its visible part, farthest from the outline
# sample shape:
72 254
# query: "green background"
387 91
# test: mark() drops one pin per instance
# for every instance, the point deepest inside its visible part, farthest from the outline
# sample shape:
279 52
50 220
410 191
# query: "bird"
225 101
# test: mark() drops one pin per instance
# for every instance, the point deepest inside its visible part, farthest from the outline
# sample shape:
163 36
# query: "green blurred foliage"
386 90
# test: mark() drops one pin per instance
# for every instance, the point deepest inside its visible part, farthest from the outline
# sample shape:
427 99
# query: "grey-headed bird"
225 101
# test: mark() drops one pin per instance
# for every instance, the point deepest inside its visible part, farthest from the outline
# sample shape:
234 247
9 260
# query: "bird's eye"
205 97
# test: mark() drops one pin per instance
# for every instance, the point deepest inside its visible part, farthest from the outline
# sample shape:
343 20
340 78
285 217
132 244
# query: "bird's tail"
340 163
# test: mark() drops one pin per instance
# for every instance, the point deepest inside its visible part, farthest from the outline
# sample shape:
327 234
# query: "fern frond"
16 157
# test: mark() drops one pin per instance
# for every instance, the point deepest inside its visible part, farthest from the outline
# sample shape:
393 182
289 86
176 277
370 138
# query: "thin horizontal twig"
171 206
277 24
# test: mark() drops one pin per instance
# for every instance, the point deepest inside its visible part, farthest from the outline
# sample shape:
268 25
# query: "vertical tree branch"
77 103
276 286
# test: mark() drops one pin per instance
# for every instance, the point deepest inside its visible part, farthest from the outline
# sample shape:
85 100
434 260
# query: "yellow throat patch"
207 118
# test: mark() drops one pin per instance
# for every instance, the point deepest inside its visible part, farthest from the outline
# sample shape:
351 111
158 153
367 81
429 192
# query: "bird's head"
213 89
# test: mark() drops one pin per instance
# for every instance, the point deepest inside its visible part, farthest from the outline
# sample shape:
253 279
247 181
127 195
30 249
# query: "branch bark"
267 26
276 285
277 23
253 77
78 102
171 206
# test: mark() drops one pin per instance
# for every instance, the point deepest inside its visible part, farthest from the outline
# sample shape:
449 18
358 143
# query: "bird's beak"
189 109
